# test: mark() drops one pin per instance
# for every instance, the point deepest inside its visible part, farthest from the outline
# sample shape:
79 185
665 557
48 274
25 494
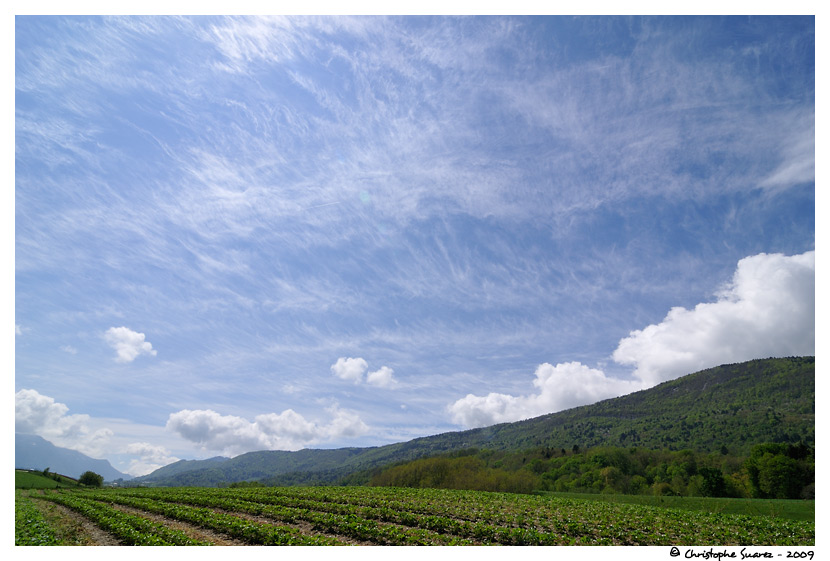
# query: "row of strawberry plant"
246 530
30 527
499 508
592 523
127 528
485 532
359 522
525 519
346 524
570 518
538 528
545 528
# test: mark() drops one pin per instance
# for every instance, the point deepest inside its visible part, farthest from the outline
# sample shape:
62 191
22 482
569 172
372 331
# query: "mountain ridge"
34 452
732 406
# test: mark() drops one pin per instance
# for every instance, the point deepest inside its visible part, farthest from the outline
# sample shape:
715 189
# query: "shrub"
91 479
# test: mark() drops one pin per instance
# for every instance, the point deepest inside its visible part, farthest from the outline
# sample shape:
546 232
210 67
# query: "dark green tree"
778 477
713 484
775 474
91 479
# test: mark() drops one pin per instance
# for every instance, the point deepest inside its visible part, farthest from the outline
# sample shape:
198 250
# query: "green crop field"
393 516
776 508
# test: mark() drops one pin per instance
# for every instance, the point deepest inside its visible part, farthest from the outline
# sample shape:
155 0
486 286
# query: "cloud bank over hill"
768 309
288 430
41 415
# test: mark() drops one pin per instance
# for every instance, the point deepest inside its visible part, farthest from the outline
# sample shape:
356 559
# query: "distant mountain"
182 466
730 407
33 452
327 464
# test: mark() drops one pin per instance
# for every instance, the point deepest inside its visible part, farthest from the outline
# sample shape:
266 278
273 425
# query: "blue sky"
238 233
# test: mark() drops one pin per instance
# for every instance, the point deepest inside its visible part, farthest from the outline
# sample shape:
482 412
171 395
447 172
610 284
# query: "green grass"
30 480
776 508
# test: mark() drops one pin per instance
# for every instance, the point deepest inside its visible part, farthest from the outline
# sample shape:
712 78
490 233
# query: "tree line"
88 478
772 470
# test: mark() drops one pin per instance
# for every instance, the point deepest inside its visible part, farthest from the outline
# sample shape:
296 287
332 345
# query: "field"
376 516
24 479
776 508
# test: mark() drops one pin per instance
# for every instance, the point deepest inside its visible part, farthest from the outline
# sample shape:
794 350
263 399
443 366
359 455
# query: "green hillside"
29 479
727 409
327 464
736 406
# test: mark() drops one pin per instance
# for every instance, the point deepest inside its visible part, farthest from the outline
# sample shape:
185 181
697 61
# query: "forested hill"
735 405
727 408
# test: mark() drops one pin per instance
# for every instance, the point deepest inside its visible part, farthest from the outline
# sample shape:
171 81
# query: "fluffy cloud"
285 431
151 457
127 343
558 387
39 414
768 309
350 369
382 377
354 368
42 415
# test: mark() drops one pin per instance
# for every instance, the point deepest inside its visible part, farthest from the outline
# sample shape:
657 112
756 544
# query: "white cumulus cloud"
557 387
127 343
354 368
284 431
381 377
768 309
350 369
38 414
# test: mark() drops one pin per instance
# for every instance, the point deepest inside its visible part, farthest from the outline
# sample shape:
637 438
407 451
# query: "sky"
249 233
